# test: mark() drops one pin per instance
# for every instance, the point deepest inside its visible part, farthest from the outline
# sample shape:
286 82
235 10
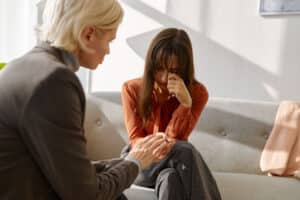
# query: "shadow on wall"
224 72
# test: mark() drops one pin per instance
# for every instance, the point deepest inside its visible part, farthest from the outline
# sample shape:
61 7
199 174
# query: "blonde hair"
64 20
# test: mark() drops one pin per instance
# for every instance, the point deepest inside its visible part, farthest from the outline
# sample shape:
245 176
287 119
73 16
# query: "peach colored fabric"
281 154
179 126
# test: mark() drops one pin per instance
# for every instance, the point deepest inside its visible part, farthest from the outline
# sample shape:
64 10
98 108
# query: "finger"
165 151
143 140
157 153
160 149
170 87
176 83
173 82
173 90
157 143
173 76
147 140
172 93
157 159
154 142
171 140
161 133
164 136
161 154
160 143
171 144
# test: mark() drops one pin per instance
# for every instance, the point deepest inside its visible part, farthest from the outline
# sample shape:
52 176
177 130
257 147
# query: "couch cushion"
103 138
232 133
140 193
234 186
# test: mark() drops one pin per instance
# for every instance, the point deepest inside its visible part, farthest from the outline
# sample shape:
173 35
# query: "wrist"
187 104
134 160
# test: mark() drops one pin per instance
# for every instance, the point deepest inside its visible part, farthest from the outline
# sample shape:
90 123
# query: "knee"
184 146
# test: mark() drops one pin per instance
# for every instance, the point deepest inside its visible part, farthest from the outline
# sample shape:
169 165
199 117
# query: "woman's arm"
133 122
184 118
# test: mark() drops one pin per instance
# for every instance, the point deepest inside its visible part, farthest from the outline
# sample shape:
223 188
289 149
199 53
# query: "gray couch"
230 135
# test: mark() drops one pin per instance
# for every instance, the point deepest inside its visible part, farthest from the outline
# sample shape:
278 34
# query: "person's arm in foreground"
52 129
132 119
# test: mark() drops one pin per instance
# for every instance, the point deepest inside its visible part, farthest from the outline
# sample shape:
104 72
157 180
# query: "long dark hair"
166 44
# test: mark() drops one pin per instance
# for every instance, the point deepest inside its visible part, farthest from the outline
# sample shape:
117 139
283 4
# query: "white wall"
17 19
238 53
124 63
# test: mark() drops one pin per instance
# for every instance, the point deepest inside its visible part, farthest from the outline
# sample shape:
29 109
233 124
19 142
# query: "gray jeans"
181 175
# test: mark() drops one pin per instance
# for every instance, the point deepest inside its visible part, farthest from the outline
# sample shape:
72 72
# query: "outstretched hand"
160 153
145 150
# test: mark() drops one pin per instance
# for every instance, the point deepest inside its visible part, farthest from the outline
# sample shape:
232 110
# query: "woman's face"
161 74
98 41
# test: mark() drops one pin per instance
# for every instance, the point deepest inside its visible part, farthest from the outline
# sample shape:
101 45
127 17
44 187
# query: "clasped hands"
152 148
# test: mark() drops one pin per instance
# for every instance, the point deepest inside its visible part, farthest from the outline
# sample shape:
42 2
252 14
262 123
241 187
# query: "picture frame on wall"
279 7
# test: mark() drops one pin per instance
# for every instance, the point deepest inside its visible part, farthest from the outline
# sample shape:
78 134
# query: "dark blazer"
42 143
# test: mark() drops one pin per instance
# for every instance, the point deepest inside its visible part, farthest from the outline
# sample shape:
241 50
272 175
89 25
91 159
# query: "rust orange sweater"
170 117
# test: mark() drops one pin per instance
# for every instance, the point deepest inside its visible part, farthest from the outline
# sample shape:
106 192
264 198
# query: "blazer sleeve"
184 119
52 129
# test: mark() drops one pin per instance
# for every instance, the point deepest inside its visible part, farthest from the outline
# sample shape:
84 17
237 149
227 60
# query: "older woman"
169 100
42 104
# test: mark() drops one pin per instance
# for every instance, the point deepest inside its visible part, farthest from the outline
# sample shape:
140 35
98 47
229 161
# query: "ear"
88 33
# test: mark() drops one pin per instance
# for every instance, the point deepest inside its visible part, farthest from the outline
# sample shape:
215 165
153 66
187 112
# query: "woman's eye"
159 69
175 71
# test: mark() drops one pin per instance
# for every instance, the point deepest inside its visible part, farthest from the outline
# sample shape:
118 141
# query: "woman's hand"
160 153
177 87
145 149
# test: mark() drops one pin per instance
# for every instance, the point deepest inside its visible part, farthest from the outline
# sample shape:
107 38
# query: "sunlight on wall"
159 5
17 20
271 91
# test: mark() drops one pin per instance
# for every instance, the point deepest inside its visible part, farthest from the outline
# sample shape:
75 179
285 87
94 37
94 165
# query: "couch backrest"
230 134
104 138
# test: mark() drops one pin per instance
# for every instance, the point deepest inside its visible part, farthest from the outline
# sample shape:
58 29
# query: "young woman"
168 100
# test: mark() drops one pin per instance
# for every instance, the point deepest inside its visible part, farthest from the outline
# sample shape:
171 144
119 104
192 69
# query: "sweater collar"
66 57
